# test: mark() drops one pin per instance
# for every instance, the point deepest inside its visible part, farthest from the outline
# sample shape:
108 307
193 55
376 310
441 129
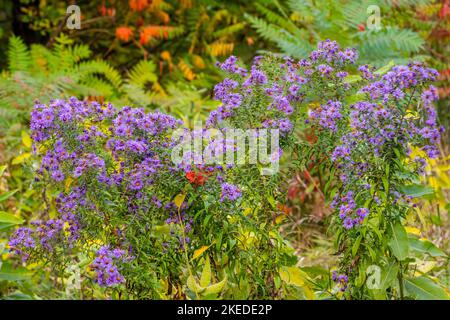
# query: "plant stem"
400 281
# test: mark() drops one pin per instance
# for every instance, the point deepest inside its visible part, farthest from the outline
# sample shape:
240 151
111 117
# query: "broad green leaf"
388 275
399 242
417 190
6 225
18 296
356 245
7 195
424 246
424 288
7 272
205 278
8 218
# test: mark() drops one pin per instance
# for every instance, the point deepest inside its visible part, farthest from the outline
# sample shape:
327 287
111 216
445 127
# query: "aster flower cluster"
113 165
22 241
230 192
347 210
328 115
341 280
388 110
388 119
270 95
107 273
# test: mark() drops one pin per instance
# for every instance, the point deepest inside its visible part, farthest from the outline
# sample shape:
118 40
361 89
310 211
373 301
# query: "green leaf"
424 246
7 272
399 242
356 245
7 218
18 296
417 190
205 278
425 289
352 78
383 70
388 275
161 230
6 225
385 184
7 195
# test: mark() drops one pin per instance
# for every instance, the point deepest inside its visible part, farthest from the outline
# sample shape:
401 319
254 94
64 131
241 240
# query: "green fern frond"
389 42
137 95
142 73
266 31
275 18
87 68
230 30
18 55
99 87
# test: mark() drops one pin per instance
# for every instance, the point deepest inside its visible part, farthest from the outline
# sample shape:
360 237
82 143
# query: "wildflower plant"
151 224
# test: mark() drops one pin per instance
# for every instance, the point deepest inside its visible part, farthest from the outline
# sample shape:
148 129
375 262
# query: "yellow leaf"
179 199
279 219
26 140
205 278
193 285
413 230
2 169
216 288
199 252
69 181
293 275
424 267
21 158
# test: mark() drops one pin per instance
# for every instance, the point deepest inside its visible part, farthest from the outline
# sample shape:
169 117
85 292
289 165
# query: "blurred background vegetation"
161 55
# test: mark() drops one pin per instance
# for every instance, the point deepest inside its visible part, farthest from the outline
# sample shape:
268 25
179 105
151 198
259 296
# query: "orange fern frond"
198 62
138 5
186 70
163 16
158 32
220 49
124 33
186 4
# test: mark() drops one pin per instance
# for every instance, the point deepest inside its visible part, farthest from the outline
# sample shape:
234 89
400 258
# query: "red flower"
196 178
361 27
